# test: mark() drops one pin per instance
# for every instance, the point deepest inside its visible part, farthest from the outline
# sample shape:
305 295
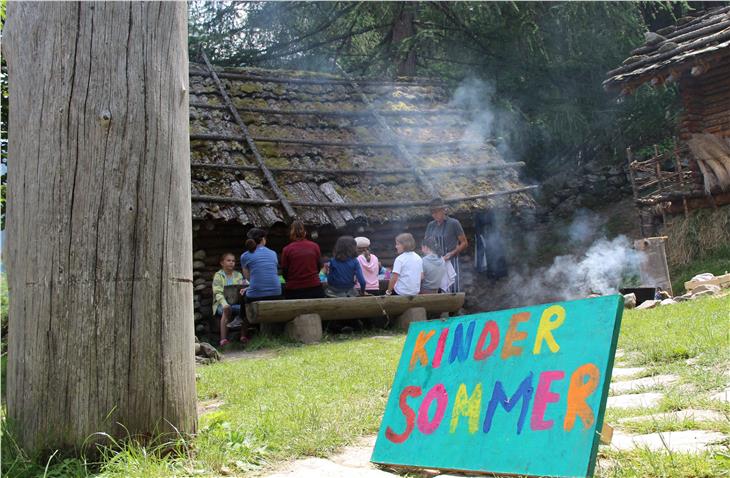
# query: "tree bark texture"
99 245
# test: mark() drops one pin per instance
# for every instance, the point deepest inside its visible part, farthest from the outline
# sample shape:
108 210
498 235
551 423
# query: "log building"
346 156
694 54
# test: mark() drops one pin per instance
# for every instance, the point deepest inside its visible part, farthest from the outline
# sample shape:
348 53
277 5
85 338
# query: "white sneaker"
235 323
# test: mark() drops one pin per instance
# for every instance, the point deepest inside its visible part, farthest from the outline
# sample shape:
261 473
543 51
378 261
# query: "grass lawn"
310 400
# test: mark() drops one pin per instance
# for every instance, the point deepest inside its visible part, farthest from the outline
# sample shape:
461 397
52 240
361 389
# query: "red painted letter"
408 412
491 329
440 345
438 393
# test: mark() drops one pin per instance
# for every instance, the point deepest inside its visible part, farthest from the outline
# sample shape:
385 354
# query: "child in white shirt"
407 268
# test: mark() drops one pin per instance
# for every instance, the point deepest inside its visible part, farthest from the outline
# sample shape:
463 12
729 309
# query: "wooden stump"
416 314
306 328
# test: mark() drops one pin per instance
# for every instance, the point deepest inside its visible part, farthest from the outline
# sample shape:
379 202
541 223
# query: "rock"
668 302
682 298
197 348
305 328
200 328
200 287
415 314
706 289
636 400
199 255
647 304
630 301
197 317
198 265
703 277
208 351
653 38
199 281
640 383
687 441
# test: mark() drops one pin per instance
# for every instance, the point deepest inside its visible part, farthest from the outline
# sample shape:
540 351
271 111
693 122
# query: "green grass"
312 400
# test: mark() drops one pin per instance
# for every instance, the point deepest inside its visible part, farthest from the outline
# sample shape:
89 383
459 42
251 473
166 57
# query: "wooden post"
99 233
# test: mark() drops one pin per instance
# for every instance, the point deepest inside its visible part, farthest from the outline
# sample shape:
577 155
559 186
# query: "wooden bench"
303 317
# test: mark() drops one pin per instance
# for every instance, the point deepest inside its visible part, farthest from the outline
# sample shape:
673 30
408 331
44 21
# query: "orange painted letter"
583 383
513 335
419 353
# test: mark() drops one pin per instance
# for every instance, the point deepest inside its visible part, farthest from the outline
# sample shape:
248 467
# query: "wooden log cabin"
694 54
346 156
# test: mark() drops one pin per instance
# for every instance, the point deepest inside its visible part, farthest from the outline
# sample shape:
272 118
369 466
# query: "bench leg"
416 314
305 328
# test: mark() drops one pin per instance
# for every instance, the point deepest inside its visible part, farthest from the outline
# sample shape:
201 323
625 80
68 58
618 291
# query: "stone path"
628 386
354 461
685 441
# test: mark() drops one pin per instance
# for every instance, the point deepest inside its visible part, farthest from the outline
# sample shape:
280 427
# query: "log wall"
706 102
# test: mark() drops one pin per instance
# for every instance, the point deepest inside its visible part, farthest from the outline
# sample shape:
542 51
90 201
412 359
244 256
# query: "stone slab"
321 468
678 416
641 383
687 441
625 372
722 396
636 400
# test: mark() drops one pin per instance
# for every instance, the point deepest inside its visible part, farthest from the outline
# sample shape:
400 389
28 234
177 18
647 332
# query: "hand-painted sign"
519 391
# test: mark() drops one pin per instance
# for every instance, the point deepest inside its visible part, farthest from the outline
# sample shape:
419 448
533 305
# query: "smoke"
474 97
601 270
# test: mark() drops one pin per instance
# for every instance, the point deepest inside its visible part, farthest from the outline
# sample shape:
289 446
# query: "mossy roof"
316 107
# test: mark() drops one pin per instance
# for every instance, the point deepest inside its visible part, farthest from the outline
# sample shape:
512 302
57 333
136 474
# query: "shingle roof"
674 51
318 136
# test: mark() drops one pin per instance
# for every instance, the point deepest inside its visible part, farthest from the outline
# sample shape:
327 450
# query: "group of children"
351 271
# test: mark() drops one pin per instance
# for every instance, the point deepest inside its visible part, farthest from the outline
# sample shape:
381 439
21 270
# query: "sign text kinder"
520 391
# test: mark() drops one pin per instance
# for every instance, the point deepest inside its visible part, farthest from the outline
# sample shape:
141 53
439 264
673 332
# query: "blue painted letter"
460 347
499 397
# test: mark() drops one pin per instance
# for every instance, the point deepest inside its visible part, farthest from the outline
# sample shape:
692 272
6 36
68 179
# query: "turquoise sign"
519 391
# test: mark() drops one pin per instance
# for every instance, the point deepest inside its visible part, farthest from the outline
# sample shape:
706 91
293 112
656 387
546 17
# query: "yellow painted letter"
467 406
546 327
419 353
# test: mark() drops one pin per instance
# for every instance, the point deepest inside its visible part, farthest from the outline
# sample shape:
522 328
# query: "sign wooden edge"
599 419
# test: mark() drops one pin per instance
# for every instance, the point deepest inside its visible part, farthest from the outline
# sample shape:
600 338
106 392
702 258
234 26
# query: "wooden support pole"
251 144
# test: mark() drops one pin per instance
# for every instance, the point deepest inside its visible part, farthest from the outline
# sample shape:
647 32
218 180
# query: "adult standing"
300 263
449 236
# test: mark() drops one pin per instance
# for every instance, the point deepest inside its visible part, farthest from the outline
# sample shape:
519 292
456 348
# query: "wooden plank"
351 307
722 281
456 168
606 434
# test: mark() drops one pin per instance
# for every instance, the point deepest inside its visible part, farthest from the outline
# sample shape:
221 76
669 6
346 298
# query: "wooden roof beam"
358 205
342 144
428 112
439 170
250 141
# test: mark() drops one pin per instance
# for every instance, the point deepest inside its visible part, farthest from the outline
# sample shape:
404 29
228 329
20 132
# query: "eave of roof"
670 56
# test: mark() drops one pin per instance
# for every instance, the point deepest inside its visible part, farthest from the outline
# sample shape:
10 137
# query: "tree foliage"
544 61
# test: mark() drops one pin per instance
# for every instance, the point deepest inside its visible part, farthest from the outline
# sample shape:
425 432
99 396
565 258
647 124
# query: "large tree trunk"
99 223
403 29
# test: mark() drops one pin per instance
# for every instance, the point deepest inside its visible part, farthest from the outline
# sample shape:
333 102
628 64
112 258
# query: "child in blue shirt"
343 269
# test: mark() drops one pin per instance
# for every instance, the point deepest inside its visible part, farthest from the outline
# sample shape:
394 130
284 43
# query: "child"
261 267
369 264
343 268
226 276
434 267
407 268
